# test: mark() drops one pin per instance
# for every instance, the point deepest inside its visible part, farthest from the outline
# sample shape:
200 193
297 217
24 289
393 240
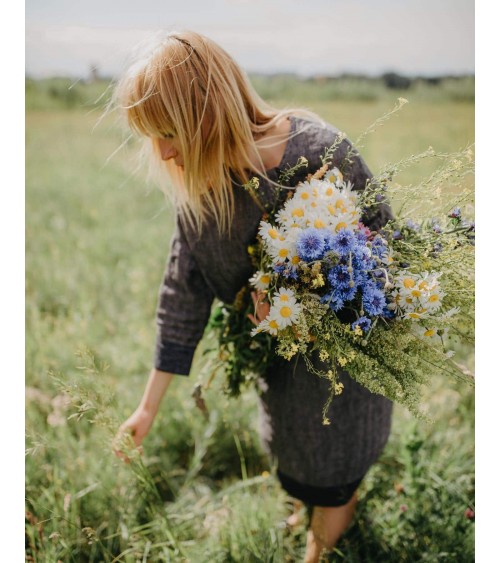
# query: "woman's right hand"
137 427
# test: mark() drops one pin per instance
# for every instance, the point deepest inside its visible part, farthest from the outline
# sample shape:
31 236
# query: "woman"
211 132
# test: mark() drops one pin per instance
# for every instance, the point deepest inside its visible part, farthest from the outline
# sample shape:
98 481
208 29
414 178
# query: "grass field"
97 240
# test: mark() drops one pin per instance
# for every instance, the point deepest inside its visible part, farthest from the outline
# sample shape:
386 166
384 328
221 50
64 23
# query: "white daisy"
285 314
269 324
283 296
261 280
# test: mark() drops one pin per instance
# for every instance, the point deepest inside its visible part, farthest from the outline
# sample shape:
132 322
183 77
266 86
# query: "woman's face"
169 148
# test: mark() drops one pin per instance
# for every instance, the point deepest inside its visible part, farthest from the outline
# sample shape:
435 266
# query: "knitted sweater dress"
200 268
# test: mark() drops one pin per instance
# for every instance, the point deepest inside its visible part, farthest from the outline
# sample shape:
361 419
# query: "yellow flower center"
295 260
416 293
329 191
265 279
283 252
273 324
331 209
339 204
409 300
304 195
284 297
273 233
318 223
414 315
298 212
409 283
434 298
341 225
285 312
430 332
423 285
332 178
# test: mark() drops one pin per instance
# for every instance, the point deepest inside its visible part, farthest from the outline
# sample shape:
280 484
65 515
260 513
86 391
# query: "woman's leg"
327 525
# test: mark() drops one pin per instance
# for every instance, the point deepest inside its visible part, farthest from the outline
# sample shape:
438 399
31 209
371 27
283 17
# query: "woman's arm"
141 420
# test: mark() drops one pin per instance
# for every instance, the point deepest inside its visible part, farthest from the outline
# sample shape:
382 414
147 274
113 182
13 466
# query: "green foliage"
97 239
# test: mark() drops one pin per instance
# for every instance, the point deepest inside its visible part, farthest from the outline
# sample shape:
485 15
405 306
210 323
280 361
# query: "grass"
97 239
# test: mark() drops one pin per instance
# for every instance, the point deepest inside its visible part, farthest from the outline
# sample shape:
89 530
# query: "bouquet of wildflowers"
389 307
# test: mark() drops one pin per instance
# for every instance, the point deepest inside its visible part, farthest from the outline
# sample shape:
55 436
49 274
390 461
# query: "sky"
306 37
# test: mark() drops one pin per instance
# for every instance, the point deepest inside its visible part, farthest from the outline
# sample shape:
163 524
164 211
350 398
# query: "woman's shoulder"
309 138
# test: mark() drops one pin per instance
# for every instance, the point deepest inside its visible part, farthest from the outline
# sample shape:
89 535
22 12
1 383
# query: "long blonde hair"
188 86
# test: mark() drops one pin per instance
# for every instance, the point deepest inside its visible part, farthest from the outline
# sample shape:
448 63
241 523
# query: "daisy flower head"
283 296
282 250
334 176
269 324
285 313
261 280
293 212
305 193
269 233
310 244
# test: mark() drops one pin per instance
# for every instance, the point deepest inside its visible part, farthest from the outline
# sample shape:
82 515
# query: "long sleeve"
183 308
357 172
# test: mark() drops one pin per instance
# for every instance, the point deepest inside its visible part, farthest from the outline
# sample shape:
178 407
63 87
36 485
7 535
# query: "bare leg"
327 525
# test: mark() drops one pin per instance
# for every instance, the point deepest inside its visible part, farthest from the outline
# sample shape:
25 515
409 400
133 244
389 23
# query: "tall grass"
97 238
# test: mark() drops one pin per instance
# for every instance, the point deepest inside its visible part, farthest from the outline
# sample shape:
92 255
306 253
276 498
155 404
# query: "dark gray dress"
201 268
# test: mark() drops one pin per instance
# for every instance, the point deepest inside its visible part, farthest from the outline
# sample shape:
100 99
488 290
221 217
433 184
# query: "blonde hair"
190 87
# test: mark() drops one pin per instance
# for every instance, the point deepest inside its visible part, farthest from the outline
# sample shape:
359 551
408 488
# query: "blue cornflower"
310 244
373 300
396 235
364 324
345 293
344 242
290 273
328 238
333 301
339 276
279 268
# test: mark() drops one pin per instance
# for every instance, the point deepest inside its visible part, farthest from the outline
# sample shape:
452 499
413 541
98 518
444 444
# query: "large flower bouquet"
390 307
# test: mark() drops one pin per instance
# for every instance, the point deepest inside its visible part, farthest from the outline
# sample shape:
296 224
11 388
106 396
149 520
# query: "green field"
97 240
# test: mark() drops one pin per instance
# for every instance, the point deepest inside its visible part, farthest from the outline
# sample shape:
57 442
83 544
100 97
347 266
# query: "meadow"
97 238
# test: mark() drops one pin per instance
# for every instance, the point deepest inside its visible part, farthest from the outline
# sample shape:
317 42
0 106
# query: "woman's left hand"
261 307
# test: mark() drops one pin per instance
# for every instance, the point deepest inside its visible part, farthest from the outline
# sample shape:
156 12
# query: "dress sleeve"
354 169
183 308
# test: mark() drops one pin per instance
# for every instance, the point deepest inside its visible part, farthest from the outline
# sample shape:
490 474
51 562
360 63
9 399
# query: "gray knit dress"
308 454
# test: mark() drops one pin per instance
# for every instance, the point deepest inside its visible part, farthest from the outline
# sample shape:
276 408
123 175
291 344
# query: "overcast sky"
302 36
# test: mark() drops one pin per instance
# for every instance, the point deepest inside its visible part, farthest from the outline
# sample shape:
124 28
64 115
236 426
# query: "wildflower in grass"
412 225
310 245
456 213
